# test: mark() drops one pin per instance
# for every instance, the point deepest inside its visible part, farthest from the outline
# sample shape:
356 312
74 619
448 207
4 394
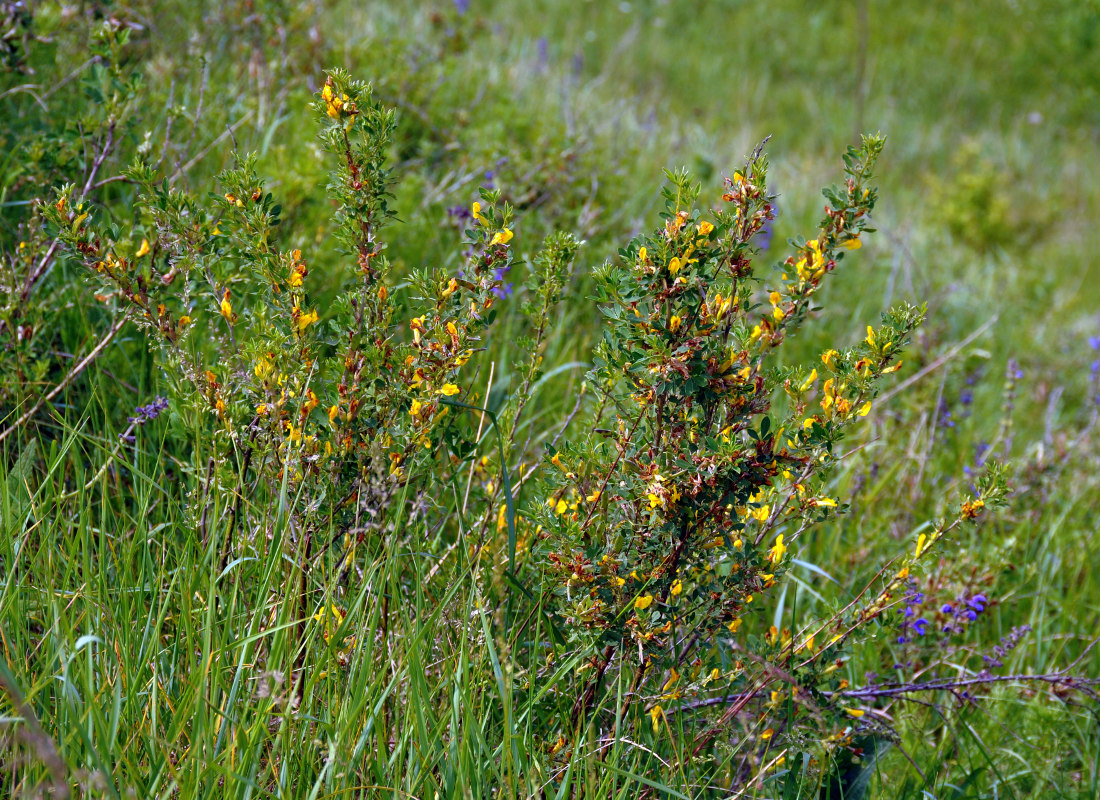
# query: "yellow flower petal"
305 320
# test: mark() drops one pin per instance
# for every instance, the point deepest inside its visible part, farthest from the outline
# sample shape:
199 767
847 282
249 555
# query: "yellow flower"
809 381
921 540
705 228
476 210
617 581
864 409
184 321
643 602
828 356
870 336
656 714
311 401
761 513
305 320
854 712
449 389
261 409
673 678
674 266
733 625
721 305
333 104
592 498
643 255
143 250
777 550
414 409
971 508
451 288
853 244
226 307
502 237
674 323
677 587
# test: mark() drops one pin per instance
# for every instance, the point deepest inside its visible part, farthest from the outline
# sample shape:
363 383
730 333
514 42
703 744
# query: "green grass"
160 664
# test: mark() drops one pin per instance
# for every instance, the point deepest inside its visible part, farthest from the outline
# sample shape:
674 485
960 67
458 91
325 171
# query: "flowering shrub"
665 530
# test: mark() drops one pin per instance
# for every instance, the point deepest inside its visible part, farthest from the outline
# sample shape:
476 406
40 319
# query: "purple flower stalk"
151 411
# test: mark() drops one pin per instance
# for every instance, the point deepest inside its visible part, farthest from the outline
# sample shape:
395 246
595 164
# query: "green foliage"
980 205
439 507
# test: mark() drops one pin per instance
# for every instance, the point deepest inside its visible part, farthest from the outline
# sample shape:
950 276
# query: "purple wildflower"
505 289
544 53
945 415
151 411
462 6
977 602
461 214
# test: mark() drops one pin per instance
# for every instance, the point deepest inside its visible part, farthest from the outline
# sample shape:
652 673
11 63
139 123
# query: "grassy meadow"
186 610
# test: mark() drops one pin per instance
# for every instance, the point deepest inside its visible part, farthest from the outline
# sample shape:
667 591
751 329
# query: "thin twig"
76 370
939 362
